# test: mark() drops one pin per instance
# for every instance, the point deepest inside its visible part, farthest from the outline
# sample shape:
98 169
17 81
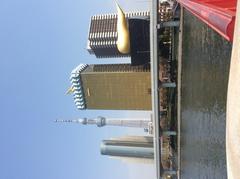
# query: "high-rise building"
129 146
126 35
136 147
102 38
111 86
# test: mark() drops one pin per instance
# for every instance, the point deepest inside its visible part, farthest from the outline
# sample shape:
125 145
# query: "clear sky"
41 41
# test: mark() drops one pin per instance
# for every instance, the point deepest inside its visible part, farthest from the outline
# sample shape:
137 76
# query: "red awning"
218 14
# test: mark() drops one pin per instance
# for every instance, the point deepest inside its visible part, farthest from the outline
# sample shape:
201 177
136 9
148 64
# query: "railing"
156 84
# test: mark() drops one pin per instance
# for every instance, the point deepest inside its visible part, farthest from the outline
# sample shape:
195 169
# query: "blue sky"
41 41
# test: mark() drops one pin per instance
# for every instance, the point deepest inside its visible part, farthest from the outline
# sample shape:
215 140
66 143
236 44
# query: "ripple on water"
206 58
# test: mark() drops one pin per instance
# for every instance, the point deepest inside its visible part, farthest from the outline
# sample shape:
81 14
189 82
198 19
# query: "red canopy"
218 14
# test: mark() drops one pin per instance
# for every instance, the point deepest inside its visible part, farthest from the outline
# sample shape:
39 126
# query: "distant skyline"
41 42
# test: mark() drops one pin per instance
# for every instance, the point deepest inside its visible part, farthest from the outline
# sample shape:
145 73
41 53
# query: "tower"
102 121
111 86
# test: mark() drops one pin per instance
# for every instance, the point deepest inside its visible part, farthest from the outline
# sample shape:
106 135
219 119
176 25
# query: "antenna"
69 120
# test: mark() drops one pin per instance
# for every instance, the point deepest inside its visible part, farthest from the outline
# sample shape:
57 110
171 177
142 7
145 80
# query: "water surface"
205 68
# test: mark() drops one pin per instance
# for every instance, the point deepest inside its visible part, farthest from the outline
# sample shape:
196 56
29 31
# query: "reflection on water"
206 59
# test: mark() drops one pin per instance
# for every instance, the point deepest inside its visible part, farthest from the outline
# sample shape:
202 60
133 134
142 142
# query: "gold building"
112 87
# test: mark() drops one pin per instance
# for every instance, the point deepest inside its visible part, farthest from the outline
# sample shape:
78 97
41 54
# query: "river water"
205 68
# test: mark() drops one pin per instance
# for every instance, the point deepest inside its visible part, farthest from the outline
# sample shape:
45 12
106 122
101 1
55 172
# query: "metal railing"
156 84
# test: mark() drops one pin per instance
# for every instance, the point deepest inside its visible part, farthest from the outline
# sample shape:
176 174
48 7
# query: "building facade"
128 146
106 29
112 87
136 147
102 38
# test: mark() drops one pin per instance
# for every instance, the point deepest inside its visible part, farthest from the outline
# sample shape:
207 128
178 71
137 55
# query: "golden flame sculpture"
123 40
